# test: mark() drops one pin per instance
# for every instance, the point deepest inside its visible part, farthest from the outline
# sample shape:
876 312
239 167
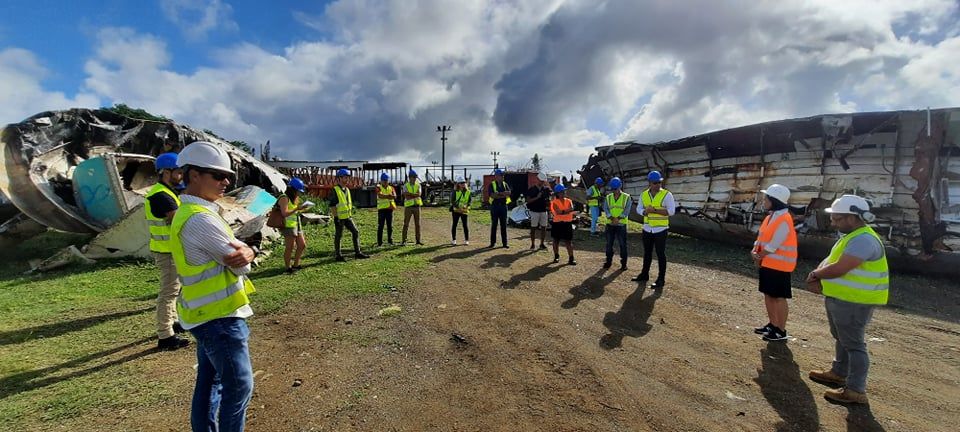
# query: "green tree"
242 145
536 162
135 113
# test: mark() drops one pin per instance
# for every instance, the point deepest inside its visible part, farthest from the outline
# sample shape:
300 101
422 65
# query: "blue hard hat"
384 177
166 161
412 173
654 176
615 183
180 186
559 188
297 184
598 181
498 172
343 172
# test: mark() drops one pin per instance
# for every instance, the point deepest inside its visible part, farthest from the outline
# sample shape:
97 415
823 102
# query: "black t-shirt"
161 204
540 205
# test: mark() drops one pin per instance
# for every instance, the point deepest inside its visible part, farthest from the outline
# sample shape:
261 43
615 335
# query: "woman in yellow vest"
775 252
412 201
290 206
460 201
386 204
854 280
562 228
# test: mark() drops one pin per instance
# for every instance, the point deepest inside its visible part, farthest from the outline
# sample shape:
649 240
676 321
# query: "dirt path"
558 348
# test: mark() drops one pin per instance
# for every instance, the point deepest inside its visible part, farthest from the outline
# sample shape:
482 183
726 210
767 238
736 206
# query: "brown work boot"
845 395
827 377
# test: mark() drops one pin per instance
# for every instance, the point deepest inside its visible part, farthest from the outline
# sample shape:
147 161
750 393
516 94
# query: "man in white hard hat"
538 201
213 304
854 279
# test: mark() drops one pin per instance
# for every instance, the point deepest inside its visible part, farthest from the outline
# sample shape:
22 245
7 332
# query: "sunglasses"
216 175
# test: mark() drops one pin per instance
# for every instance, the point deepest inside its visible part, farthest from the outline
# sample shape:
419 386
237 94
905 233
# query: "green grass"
72 340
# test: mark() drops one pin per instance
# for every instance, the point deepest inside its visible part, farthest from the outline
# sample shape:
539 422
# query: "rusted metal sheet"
909 171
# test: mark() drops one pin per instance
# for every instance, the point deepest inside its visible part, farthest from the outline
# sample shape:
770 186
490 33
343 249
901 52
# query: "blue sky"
371 79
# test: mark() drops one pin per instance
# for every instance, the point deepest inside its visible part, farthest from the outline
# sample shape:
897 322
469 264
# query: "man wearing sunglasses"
213 304
657 205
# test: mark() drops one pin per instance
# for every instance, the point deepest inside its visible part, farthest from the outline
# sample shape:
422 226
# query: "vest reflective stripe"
617 206
593 200
655 220
344 202
158 227
413 188
460 200
384 203
868 283
558 205
497 190
294 219
210 290
785 257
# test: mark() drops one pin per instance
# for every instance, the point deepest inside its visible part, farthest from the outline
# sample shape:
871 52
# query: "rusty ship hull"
907 163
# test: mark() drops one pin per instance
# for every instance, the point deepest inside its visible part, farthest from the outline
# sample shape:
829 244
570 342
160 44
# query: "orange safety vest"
558 205
785 257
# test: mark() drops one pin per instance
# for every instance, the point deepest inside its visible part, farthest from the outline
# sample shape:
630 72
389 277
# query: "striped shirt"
204 239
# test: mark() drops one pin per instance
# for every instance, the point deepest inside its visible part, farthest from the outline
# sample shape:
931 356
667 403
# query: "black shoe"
640 278
419 243
340 258
556 258
361 255
543 246
289 270
607 264
763 330
775 335
506 246
623 266
391 243
572 261
379 244
532 247
172 343
657 285
177 328
492 245
298 267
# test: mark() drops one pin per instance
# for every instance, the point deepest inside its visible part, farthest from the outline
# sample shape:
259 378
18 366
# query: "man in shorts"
538 200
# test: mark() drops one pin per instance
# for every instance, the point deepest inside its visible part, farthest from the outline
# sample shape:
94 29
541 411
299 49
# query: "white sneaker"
454 242
467 242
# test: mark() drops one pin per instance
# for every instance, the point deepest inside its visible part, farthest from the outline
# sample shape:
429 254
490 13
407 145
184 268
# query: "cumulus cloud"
21 75
197 18
552 77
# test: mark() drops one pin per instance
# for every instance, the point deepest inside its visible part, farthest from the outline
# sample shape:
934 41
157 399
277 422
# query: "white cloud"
21 89
197 18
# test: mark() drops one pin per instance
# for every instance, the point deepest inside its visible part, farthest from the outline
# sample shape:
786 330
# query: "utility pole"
495 154
443 129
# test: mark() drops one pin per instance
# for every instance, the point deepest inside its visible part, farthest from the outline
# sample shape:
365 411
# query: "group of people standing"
204 286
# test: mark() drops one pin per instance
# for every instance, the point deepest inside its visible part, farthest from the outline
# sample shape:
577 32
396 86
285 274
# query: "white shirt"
779 236
205 239
668 203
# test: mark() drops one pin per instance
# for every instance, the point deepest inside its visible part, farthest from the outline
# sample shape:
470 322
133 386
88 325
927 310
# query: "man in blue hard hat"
498 194
617 206
594 195
341 210
160 205
657 205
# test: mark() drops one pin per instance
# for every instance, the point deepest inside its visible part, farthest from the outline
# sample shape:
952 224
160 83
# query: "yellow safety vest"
344 203
594 199
495 190
617 206
413 188
294 219
159 228
386 203
210 290
461 200
868 283
655 220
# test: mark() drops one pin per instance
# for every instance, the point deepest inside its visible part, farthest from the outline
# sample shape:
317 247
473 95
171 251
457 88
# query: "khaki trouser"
167 298
414 212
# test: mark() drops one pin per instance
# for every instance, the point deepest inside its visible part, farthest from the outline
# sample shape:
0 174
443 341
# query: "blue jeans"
619 233
848 325
224 376
594 217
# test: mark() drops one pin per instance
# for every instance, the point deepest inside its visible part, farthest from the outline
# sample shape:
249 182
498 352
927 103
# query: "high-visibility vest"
344 202
386 203
159 228
496 190
618 207
210 290
785 257
655 220
461 200
294 218
414 188
593 200
557 205
868 283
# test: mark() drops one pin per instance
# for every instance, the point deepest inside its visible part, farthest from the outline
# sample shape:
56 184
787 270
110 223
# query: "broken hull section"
905 162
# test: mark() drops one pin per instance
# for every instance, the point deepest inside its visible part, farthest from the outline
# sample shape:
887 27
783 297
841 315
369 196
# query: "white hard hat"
852 204
461 180
542 176
204 154
780 192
